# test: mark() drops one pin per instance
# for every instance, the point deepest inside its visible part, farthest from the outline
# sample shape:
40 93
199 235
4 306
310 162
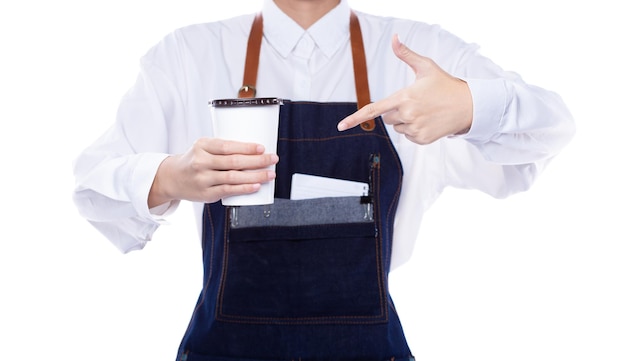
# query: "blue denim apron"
305 279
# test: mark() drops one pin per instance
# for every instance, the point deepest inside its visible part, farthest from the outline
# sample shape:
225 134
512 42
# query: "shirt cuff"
489 99
146 166
160 212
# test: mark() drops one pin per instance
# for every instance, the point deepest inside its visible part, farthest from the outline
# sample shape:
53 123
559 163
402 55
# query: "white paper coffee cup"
252 120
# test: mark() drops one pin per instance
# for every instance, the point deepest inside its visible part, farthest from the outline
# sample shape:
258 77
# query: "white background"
539 276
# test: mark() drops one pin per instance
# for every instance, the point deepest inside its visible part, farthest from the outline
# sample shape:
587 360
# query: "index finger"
226 147
370 111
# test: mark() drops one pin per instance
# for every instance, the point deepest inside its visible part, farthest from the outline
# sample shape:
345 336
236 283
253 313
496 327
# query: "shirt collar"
329 32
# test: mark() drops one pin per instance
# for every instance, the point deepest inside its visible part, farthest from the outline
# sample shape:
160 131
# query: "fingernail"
341 126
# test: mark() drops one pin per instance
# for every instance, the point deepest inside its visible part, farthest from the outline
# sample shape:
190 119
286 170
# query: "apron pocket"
328 273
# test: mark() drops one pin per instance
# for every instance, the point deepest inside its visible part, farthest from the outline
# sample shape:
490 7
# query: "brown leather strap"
359 64
248 89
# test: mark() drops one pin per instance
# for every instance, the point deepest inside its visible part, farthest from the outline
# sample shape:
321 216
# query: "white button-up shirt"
516 128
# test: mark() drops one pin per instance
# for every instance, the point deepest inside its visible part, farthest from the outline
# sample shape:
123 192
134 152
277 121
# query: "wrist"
158 194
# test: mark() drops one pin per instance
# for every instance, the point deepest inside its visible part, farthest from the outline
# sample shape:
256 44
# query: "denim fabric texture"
310 284
302 212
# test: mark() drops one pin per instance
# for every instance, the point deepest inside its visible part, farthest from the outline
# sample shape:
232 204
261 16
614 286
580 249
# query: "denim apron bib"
305 280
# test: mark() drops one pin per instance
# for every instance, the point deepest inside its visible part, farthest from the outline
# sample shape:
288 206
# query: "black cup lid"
245 102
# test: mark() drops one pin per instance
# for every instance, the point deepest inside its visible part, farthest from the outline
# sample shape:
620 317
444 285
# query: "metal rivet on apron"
247 91
368 125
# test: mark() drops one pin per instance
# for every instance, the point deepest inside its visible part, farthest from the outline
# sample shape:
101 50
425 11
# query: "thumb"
411 58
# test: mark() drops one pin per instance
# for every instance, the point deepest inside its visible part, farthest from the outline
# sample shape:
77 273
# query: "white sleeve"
517 128
114 175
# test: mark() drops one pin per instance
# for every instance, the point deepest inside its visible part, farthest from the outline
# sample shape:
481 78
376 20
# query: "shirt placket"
302 61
